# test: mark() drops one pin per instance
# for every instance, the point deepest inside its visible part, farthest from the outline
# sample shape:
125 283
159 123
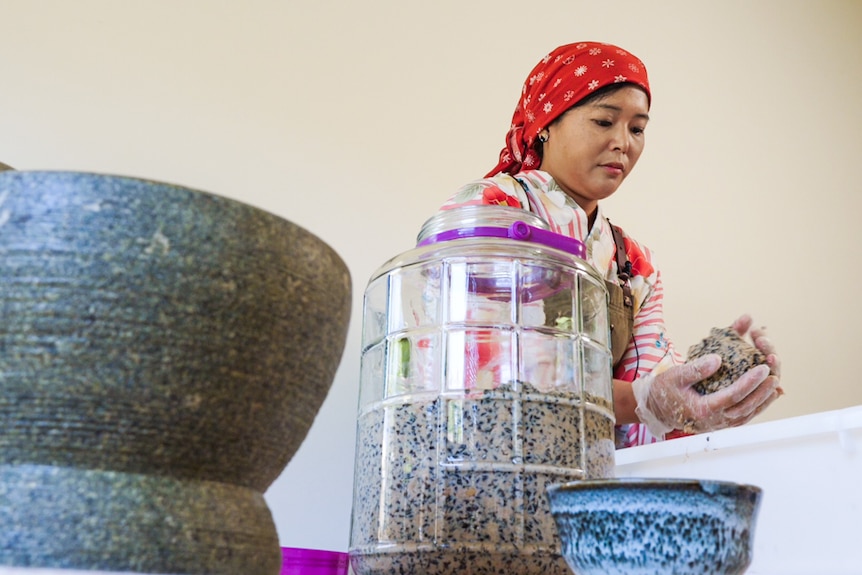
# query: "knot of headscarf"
562 79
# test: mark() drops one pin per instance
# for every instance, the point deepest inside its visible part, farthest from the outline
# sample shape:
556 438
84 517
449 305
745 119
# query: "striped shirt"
650 350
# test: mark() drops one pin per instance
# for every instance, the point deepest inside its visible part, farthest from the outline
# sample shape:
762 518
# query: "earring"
543 137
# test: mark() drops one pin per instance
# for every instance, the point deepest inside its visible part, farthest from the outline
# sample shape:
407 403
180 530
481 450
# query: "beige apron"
620 302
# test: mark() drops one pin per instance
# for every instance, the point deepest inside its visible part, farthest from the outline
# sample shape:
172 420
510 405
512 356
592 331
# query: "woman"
577 132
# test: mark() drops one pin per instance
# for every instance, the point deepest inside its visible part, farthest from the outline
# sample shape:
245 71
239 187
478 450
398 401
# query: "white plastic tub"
810 469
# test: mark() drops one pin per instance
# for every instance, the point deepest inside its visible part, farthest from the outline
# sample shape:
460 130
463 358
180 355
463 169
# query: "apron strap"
621 319
624 266
621 302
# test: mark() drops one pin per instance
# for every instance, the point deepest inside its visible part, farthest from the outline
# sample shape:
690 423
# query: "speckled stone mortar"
737 357
163 353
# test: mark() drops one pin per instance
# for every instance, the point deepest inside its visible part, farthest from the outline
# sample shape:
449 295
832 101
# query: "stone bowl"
163 354
648 526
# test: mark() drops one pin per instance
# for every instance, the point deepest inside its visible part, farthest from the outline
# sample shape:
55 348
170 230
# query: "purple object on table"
298 561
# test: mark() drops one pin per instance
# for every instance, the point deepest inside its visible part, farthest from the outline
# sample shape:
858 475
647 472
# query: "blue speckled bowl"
649 526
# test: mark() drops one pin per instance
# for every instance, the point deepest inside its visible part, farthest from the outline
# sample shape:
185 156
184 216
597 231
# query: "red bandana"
562 79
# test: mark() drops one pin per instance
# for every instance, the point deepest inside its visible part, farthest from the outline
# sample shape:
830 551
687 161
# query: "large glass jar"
485 377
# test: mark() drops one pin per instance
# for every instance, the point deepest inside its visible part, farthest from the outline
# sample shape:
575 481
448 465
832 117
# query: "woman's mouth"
613 168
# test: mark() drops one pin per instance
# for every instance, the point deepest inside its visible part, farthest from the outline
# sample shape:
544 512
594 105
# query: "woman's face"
593 147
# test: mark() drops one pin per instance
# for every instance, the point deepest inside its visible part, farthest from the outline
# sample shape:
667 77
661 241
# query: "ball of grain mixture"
737 357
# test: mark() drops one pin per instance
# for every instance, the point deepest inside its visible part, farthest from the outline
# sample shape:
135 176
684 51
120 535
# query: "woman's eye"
638 130
603 123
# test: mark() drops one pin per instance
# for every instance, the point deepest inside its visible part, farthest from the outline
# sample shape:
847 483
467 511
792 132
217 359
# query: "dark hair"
599 94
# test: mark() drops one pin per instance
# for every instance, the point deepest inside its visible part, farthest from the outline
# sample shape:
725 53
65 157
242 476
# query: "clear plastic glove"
762 342
668 400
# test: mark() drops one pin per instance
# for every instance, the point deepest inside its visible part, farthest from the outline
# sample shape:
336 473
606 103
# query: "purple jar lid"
517 231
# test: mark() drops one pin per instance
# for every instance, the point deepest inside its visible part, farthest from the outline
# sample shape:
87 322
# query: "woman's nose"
620 140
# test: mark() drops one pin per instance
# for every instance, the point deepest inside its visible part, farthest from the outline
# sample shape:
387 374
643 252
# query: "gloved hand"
667 400
761 342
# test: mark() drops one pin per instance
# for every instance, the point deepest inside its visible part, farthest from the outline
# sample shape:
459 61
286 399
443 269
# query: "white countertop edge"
837 421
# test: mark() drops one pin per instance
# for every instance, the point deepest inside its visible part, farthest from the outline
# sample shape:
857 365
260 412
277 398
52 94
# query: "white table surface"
810 470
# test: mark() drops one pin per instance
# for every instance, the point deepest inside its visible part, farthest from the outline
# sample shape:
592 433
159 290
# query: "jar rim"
474 216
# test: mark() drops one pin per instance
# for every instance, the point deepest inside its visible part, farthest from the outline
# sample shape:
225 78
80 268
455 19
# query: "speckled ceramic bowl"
649 526
163 353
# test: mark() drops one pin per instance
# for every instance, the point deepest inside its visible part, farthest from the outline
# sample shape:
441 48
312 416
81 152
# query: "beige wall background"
357 119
